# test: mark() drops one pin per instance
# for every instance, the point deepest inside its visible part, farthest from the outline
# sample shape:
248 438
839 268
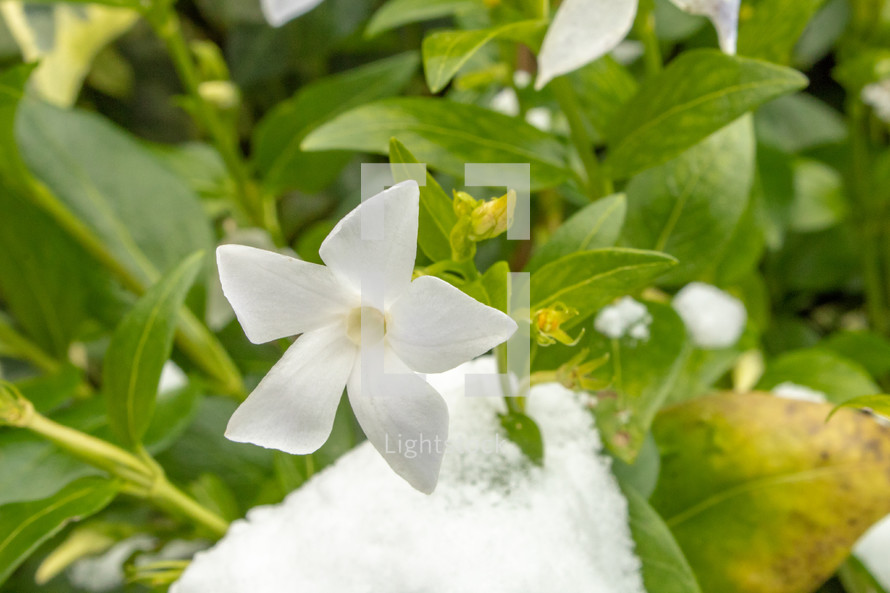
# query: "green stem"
192 336
166 24
143 477
598 184
645 29
870 239
18 346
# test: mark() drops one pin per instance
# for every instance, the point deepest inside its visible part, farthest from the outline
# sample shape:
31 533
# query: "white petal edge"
275 296
394 412
279 12
293 407
385 265
723 13
581 32
435 327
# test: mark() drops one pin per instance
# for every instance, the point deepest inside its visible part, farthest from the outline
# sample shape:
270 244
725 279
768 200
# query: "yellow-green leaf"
763 495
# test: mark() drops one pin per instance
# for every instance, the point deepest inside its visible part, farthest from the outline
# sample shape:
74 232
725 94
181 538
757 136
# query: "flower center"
375 324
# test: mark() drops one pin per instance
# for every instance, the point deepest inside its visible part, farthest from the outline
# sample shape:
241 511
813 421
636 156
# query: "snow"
877 96
713 318
494 523
627 317
790 390
873 550
106 571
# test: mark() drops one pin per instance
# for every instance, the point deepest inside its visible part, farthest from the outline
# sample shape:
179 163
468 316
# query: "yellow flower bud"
490 219
548 322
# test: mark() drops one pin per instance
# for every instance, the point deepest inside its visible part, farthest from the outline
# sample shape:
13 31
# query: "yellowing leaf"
763 495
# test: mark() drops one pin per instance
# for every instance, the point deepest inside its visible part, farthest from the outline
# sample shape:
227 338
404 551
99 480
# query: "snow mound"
713 318
627 317
873 550
495 522
790 390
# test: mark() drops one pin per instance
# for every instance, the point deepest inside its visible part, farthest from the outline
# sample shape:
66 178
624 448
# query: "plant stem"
21 347
645 29
865 213
192 336
143 477
260 210
598 184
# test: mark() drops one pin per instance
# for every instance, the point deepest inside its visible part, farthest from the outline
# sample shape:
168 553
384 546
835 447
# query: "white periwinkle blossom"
584 30
279 12
427 325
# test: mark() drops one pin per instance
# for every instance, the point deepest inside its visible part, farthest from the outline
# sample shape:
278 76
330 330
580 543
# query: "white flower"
584 30
428 326
279 12
713 318
495 523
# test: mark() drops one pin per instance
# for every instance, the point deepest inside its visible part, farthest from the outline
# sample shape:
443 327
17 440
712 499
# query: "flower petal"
404 418
383 256
723 13
275 296
582 31
293 407
434 326
279 12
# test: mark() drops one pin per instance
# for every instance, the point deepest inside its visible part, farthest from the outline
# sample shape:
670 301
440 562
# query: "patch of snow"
713 318
877 96
506 102
627 317
873 550
790 390
540 117
494 523
106 571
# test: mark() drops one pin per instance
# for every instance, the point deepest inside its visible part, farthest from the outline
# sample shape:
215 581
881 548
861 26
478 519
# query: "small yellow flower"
548 324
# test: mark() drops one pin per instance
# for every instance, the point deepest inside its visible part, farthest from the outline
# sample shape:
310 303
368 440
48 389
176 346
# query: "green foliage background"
196 123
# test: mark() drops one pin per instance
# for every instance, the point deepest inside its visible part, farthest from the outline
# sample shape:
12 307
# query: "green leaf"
602 88
445 135
794 123
763 495
690 206
879 404
523 431
819 201
277 155
445 52
856 579
867 348
26 525
138 350
594 226
437 216
149 218
588 280
697 94
822 370
665 569
772 27
396 13
496 282
641 374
